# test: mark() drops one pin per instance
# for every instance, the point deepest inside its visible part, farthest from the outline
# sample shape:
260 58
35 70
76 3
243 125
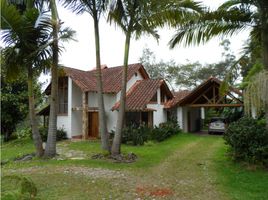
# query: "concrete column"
202 113
180 117
253 112
70 105
85 115
158 96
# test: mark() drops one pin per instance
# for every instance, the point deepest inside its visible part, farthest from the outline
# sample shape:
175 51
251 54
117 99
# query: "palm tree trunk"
102 118
52 128
120 119
35 132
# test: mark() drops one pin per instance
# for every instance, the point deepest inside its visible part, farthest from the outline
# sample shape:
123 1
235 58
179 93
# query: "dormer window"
136 74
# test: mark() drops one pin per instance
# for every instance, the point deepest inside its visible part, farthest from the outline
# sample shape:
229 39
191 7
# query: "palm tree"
136 17
95 8
50 150
26 37
231 17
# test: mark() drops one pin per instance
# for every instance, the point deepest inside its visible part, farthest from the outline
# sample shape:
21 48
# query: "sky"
80 54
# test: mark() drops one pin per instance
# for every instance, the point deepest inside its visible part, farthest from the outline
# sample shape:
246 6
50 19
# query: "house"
148 101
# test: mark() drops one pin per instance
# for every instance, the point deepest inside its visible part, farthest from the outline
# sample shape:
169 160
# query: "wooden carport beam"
85 115
215 105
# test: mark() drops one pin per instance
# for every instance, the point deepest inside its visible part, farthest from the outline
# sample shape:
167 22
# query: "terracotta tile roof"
178 96
112 77
140 94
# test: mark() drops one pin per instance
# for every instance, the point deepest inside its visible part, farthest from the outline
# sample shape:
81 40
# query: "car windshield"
217 119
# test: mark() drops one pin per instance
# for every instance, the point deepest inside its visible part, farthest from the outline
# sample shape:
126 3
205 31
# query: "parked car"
217 125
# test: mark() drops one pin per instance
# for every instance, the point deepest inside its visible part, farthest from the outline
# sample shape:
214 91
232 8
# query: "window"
63 95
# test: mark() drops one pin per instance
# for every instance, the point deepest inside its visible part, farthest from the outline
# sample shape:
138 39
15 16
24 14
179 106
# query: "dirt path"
186 174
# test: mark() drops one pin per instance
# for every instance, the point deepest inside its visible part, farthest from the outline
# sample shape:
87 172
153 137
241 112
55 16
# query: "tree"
137 17
95 8
129 15
50 150
231 17
14 103
191 74
26 36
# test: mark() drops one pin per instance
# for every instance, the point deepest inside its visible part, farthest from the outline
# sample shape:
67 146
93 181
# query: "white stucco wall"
109 101
160 115
130 83
133 80
64 121
111 116
93 99
76 118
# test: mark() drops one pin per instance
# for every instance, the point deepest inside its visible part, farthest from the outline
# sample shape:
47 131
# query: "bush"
248 139
165 130
138 135
23 131
61 134
135 135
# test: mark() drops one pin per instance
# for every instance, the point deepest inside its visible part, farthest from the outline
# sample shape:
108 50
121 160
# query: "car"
217 125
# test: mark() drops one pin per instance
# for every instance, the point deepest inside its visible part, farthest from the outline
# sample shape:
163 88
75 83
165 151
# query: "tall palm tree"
50 150
26 36
231 17
95 8
136 17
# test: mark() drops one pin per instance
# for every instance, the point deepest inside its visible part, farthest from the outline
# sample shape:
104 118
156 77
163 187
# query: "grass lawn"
184 167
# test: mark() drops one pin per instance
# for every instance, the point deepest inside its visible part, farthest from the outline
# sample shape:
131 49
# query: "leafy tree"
14 103
95 8
189 75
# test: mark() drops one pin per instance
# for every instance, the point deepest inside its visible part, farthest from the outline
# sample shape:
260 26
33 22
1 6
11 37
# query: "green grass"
240 181
16 148
233 180
148 155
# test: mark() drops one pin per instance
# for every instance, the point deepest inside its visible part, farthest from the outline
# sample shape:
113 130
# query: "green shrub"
24 132
165 130
138 135
61 134
135 135
248 140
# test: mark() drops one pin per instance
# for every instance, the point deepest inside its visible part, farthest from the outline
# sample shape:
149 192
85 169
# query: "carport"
191 107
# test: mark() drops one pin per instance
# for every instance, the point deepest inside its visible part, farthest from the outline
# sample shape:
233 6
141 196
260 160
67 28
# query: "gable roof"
202 88
141 93
111 77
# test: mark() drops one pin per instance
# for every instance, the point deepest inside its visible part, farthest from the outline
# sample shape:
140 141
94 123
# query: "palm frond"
201 28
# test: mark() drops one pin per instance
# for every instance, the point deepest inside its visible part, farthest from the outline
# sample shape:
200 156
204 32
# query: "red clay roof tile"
111 77
140 94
